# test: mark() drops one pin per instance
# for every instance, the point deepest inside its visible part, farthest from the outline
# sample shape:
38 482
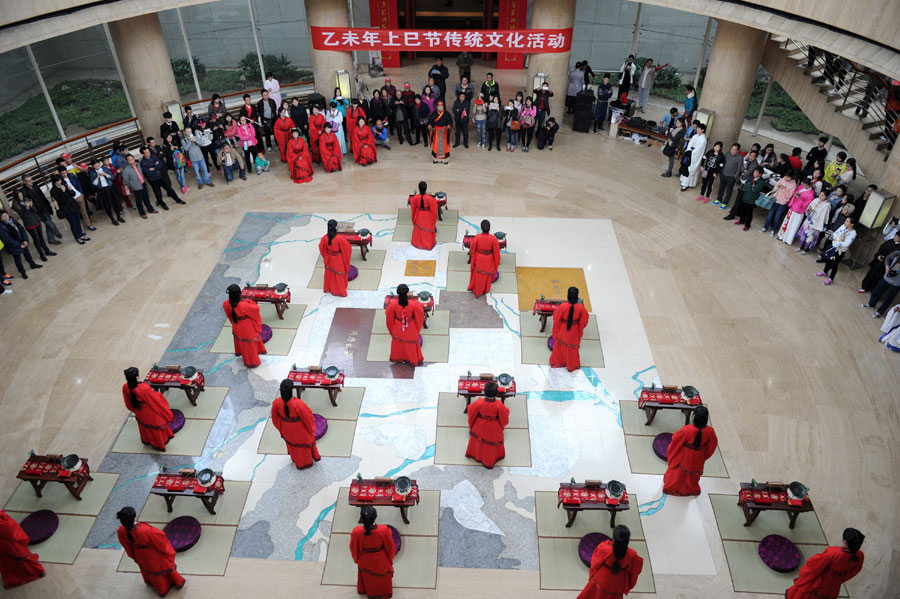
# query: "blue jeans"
776 215
511 136
199 166
481 128
75 225
229 172
179 175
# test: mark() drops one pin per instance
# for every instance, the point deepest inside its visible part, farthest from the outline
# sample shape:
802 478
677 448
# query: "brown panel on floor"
348 342
468 311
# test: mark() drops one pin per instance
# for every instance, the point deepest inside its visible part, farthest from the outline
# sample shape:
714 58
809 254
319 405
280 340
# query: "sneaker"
723 207
860 291
210 184
747 228
716 202
827 281
866 305
763 230
551 148
705 200
772 234
737 222
727 216
876 315
803 252
666 175
184 190
699 198
199 185
821 273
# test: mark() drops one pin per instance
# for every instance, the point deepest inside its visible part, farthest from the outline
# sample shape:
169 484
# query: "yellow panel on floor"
420 268
66 543
730 520
56 497
374 260
450 411
438 323
292 315
750 575
458 280
562 569
368 280
414 567
337 442
451 442
435 348
278 345
633 419
188 441
458 261
553 283
208 403
551 521
228 508
644 461
423 518
209 557
349 401
530 326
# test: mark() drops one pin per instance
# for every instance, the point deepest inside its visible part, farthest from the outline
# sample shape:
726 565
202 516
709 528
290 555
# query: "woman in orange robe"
330 150
151 550
282 130
298 158
18 565
615 568
487 419
423 208
297 425
362 142
689 450
336 252
404 323
485 253
823 574
151 410
316 128
372 549
441 122
569 321
246 326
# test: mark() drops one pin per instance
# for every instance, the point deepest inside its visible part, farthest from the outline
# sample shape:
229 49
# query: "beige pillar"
145 65
329 13
552 14
730 74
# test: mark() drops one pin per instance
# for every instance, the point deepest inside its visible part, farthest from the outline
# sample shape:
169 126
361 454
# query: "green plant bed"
224 81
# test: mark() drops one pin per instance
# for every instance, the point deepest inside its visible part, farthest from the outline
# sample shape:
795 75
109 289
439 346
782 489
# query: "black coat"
41 204
65 199
30 217
300 117
272 105
13 234
440 78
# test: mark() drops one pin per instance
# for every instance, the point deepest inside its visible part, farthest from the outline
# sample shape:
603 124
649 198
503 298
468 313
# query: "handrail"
246 91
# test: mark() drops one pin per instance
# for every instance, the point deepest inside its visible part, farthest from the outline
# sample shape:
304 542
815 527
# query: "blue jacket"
380 136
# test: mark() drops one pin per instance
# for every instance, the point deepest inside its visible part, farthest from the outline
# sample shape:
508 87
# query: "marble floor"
679 297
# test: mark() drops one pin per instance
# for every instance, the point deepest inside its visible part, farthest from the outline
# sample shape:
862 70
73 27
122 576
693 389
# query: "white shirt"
842 239
889 231
72 187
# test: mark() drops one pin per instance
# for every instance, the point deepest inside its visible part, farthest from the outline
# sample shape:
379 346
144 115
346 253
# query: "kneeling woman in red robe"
297 425
823 574
441 123
336 252
372 548
569 321
330 150
689 450
404 323
298 158
423 209
363 144
151 410
485 253
615 568
151 550
487 419
246 326
18 565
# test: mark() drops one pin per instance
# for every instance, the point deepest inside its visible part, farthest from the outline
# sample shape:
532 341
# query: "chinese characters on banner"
532 41
383 15
512 17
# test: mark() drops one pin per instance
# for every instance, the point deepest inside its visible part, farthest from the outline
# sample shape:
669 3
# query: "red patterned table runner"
176 482
467 241
305 377
41 468
162 376
440 201
476 385
764 495
660 396
265 294
568 495
546 306
428 306
354 238
383 494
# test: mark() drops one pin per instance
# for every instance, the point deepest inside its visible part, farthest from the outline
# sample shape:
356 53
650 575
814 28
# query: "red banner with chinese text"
512 18
532 41
383 15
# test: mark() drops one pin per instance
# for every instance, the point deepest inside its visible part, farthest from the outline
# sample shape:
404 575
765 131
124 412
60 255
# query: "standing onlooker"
155 174
246 134
268 112
273 87
168 126
464 87
690 102
795 161
645 84
32 222
711 167
527 118
494 122
399 111
464 62
378 110
626 78
832 257
800 201
693 157
102 178
195 154
749 165
604 93
542 103
876 265
816 219
674 139
43 208
204 138
68 207
428 99
784 190
461 110
834 170
511 125
420 115
480 112
134 178
815 158
15 238
751 191
768 159
440 74
849 173
175 159
300 116
230 157
216 107
573 86
492 88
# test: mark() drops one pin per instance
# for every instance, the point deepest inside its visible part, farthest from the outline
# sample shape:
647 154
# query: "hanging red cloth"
404 323
567 341
299 160
336 257
282 132
316 129
18 565
154 555
686 460
487 419
298 429
424 220
823 574
363 145
153 415
602 583
246 326
373 555
485 252
330 151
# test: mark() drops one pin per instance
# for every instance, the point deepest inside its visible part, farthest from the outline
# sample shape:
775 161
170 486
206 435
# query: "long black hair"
286 389
490 391
485 226
131 375
854 540
402 292
701 418
332 230
234 295
367 517
423 186
126 517
621 536
572 298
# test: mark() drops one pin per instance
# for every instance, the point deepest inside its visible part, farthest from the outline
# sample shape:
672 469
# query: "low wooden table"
441 204
428 306
592 498
661 137
303 378
778 494
467 244
473 386
654 399
169 377
50 472
209 498
266 294
544 309
382 493
362 243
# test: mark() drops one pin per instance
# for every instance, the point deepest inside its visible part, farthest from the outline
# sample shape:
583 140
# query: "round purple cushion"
321 426
779 553
266 333
177 420
183 532
588 544
496 276
396 534
40 526
661 444
421 340
551 343
352 273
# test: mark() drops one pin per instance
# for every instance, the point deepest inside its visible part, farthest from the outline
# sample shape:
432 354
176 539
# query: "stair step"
779 38
872 125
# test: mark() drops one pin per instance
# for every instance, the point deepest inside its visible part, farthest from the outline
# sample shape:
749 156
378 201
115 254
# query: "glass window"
284 39
25 120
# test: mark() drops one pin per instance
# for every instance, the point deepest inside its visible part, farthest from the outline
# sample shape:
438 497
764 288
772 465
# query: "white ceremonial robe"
697 148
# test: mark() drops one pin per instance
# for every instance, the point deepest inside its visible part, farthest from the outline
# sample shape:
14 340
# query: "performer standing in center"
569 321
18 565
150 408
689 450
294 420
615 568
487 419
335 251
404 323
485 260
424 209
440 122
151 550
823 574
372 549
246 326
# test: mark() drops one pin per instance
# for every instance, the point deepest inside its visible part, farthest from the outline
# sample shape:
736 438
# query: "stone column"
733 64
552 14
329 13
145 65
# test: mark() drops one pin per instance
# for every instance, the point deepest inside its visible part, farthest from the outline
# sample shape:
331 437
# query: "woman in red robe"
354 114
330 150
569 321
246 326
151 550
362 143
485 253
404 323
298 158
297 425
441 123
316 128
689 450
423 208
487 419
151 410
336 252
615 568
282 129
823 574
372 548
18 565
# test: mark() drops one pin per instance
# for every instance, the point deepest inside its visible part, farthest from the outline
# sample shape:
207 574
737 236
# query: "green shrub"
279 66
224 81
182 70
